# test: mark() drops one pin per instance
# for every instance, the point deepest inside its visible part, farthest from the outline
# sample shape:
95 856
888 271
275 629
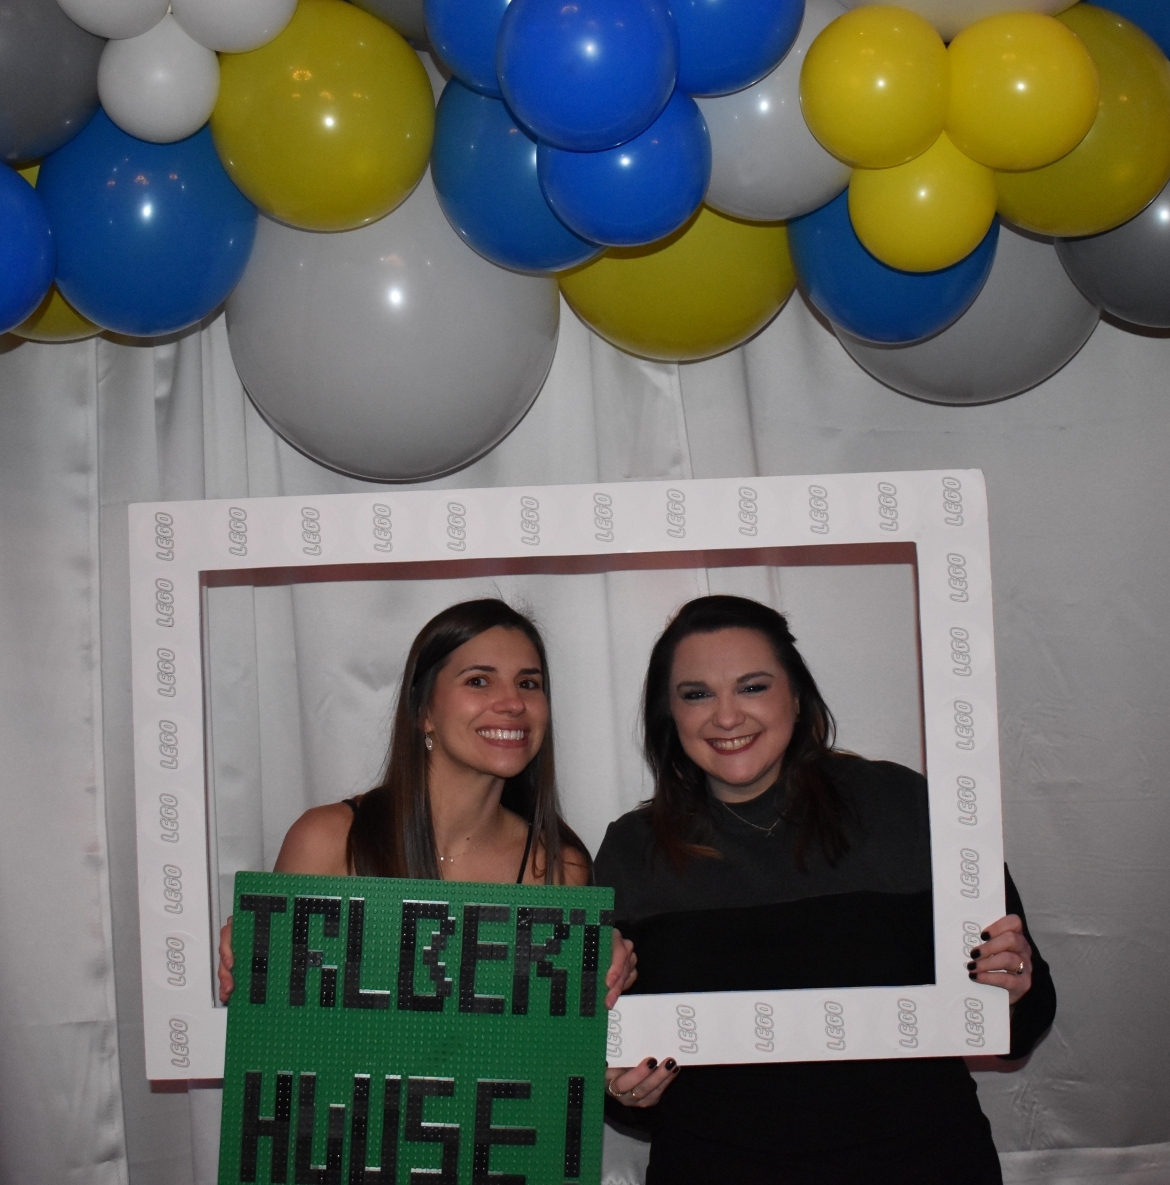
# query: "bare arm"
315 844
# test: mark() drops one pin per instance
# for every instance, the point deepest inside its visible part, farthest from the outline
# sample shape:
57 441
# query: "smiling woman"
469 791
789 864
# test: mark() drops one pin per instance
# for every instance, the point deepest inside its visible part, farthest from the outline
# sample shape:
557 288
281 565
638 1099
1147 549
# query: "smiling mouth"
731 744
503 736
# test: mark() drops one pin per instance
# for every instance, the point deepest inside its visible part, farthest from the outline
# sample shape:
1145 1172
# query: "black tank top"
352 803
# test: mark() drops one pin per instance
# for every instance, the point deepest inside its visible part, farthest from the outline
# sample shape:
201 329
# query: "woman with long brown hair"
769 859
469 789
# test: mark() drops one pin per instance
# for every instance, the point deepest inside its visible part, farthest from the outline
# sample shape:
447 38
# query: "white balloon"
115 18
950 17
393 352
233 26
160 86
1025 324
765 163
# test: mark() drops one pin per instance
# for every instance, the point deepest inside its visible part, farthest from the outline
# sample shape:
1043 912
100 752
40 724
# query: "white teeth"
502 734
731 744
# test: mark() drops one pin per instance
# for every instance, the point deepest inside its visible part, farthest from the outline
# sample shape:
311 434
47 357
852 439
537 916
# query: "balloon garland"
675 167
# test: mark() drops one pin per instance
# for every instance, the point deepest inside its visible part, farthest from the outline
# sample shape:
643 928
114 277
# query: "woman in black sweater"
768 859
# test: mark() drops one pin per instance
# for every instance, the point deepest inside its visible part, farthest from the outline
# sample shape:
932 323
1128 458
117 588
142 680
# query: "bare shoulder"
576 867
316 842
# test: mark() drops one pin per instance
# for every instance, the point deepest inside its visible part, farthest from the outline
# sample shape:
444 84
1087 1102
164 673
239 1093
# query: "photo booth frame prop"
934 520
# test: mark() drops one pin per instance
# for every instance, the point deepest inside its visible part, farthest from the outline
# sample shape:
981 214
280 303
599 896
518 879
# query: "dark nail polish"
985 936
975 953
970 966
651 1063
971 975
671 1064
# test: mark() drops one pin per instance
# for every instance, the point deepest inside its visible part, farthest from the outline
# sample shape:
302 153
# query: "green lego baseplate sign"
407 1032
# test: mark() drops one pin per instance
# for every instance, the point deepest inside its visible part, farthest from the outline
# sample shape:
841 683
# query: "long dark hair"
392 833
680 810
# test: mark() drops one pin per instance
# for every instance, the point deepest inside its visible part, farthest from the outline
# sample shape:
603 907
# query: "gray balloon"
1028 321
393 352
765 163
404 15
48 78
1127 270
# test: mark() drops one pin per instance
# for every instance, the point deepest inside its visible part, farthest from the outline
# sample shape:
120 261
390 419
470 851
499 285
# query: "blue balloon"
1151 16
484 169
463 33
589 75
860 294
150 237
639 192
725 45
27 254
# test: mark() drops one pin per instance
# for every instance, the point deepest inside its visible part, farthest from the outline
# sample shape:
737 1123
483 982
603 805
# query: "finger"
1015 985
650 1090
1009 961
628 1080
1011 940
623 951
1002 925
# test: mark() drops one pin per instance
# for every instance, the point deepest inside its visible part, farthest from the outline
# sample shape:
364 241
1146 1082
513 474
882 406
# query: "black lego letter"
386 1171
275 1129
263 906
447 1134
303 958
475 952
354 996
486 1091
308 1173
412 913
574 1114
528 952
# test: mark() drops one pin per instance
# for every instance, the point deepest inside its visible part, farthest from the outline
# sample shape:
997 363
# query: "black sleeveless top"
352 804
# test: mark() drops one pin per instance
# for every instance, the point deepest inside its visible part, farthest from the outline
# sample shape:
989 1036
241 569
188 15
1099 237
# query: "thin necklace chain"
766 830
452 859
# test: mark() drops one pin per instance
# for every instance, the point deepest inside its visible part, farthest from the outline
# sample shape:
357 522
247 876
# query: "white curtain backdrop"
1075 473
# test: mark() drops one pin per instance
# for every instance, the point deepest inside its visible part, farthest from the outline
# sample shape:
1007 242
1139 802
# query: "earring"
428 742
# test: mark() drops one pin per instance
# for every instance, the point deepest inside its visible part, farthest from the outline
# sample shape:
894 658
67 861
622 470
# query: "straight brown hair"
680 810
392 833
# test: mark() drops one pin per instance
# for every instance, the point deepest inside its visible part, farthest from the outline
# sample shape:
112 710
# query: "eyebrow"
741 679
494 670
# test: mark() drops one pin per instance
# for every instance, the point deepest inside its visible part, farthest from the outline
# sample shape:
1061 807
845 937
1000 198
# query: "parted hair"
392 833
680 809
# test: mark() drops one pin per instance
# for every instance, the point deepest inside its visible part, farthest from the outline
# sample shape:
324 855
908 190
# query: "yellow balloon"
926 214
874 86
54 319
1124 161
329 125
703 290
1024 91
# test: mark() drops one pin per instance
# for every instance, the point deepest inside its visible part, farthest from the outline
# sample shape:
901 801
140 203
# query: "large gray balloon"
393 352
1028 321
765 163
48 78
1127 270
404 15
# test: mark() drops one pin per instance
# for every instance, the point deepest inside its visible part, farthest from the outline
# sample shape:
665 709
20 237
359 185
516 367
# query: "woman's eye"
755 688
477 681
695 695
530 685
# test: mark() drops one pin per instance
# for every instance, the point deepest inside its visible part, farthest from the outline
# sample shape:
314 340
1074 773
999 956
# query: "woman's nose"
727 712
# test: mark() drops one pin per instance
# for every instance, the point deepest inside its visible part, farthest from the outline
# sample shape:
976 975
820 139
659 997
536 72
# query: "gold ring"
1020 968
609 1088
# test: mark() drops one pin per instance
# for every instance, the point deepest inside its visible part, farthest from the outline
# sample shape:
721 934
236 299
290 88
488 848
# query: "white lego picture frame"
936 520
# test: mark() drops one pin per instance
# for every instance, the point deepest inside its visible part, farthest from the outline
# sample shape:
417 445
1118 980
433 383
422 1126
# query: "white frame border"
943 513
